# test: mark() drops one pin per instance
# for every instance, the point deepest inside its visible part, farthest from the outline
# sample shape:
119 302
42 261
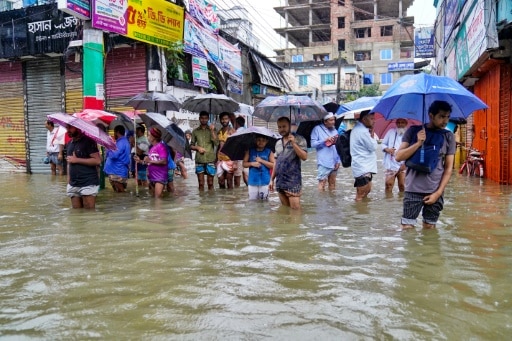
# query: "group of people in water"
266 169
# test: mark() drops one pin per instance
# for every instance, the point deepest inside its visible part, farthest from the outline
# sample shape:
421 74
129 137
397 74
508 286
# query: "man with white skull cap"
323 139
390 144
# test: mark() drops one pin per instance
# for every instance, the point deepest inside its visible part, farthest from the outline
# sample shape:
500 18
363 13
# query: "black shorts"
363 180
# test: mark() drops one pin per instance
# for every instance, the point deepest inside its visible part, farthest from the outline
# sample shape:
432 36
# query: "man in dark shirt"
83 158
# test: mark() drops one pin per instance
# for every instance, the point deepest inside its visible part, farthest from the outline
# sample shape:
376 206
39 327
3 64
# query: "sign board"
424 42
200 72
110 15
400 66
77 8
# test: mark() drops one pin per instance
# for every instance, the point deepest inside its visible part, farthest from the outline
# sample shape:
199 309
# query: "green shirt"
203 138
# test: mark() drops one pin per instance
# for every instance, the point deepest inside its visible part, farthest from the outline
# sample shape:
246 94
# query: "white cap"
328 116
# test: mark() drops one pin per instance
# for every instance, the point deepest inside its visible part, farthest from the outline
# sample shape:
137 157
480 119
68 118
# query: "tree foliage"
369 91
175 59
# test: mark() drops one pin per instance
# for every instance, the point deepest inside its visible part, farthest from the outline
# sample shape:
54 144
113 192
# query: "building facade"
374 36
473 46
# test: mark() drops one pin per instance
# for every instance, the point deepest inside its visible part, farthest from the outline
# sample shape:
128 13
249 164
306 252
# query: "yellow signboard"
155 22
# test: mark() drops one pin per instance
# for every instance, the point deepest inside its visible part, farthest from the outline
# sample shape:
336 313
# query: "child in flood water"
259 160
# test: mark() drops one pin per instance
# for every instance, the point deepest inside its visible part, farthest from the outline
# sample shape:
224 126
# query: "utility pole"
338 83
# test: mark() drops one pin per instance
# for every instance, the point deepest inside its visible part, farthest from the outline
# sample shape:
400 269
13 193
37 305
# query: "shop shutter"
74 93
125 76
44 96
12 124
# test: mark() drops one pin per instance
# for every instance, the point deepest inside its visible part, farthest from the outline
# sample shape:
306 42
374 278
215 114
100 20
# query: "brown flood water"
214 266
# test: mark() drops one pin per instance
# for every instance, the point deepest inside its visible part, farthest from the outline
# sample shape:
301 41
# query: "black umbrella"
154 101
237 144
122 119
306 128
331 107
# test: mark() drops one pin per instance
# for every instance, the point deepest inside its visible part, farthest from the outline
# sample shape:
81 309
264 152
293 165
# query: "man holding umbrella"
204 141
424 190
291 149
83 158
118 162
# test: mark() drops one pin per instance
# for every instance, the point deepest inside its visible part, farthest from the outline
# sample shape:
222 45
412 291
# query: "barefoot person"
117 164
424 191
55 147
259 160
83 158
291 150
394 169
204 141
157 163
225 167
323 138
364 159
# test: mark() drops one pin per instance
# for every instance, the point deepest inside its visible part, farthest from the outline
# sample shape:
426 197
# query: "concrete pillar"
93 76
93 79
310 23
400 14
375 7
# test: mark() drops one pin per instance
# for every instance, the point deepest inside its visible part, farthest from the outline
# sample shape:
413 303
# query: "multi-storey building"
373 36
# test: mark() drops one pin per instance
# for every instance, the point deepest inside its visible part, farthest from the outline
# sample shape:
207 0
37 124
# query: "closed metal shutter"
44 96
125 76
74 87
12 124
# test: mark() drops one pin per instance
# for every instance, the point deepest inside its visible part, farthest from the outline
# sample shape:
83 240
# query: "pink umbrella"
87 128
96 116
382 125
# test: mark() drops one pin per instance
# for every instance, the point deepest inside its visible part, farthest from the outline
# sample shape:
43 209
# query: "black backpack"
343 148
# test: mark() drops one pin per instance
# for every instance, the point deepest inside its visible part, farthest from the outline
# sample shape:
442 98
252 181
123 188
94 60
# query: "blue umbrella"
360 104
411 96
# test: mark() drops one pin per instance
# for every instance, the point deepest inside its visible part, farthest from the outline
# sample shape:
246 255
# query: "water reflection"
216 266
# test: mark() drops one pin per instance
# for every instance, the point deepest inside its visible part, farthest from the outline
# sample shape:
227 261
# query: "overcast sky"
265 19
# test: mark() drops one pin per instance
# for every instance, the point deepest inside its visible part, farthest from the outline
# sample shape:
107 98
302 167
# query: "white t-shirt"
55 138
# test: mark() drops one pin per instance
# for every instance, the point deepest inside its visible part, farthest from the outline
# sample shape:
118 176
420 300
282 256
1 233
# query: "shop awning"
269 73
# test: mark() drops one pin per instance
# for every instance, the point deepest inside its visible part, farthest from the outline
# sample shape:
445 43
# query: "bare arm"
448 169
246 162
406 151
301 153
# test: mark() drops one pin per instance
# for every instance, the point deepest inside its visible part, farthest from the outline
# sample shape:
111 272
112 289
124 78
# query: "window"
341 22
365 32
368 78
386 54
341 45
386 78
327 79
406 53
360 56
321 57
303 80
386 31
297 58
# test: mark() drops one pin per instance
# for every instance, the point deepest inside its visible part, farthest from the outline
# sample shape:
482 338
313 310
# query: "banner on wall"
452 10
155 22
477 33
200 72
424 42
205 13
110 15
200 42
230 59
77 8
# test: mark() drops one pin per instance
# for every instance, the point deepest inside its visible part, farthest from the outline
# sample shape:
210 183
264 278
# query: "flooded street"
213 266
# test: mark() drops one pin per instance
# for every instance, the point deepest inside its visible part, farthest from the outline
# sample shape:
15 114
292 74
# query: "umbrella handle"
422 154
